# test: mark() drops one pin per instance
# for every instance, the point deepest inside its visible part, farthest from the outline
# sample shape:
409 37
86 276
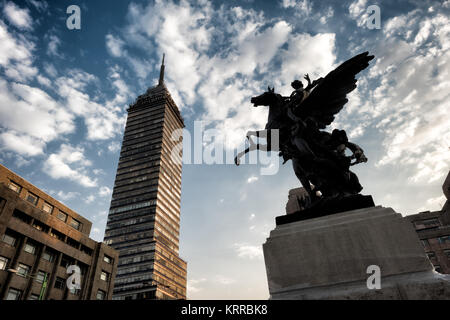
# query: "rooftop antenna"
161 72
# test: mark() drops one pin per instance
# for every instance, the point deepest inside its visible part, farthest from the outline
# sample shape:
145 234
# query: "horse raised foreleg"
253 147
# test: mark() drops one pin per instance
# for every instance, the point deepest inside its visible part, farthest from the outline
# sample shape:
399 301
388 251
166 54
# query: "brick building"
39 238
433 229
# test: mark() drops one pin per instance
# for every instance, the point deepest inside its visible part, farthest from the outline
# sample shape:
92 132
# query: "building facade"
39 239
144 216
433 229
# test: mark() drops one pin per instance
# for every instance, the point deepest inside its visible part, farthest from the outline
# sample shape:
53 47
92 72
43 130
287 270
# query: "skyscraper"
144 216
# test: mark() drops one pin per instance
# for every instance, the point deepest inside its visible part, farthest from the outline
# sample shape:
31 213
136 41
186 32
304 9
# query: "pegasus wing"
330 95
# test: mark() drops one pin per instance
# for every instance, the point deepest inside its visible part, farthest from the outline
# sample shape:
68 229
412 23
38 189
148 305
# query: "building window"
444 239
101 295
3 263
40 226
447 252
34 297
13 294
86 250
41 276
431 255
60 283
23 270
427 224
50 257
66 261
104 276
56 234
75 291
437 269
75 224
14 187
107 259
9 240
22 216
30 248
47 208
31 198
62 216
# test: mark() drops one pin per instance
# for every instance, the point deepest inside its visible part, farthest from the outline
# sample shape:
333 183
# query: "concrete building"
144 216
39 239
433 229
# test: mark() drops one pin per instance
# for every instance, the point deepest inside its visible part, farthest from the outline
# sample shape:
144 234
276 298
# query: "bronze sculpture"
318 157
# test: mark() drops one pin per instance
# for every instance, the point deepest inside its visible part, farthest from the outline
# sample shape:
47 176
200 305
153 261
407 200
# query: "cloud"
223 74
89 199
192 285
31 114
67 196
16 55
103 121
40 5
252 179
104 192
224 280
52 47
414 114
18 17
114 147
22 144
58 166
114 45
358 12
247 251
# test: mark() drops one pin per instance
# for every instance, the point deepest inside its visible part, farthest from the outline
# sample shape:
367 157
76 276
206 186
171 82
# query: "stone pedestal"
328 257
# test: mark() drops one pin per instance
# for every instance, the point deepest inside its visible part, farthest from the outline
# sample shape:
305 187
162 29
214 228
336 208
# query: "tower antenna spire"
161 72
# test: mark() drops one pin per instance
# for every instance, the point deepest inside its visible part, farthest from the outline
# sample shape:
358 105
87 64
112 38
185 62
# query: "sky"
64 94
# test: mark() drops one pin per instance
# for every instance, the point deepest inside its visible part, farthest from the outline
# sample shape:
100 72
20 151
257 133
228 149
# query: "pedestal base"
328 257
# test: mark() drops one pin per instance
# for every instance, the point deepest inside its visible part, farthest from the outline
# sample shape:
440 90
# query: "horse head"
266 99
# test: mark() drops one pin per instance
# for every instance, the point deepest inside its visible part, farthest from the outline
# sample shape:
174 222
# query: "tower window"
13 294
30 248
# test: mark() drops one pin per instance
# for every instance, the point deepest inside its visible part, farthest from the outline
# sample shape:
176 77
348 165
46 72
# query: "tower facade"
144 216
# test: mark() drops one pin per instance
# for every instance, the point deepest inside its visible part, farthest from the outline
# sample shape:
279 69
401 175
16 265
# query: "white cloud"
103 121
16 55
193 285
407 101
89 199
288 3
104 191
40 5
247 251
114 147
114 45
63 196
358 11
250 46
252 179
22 144
57 166
17 16
317 61
223 280
53 44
